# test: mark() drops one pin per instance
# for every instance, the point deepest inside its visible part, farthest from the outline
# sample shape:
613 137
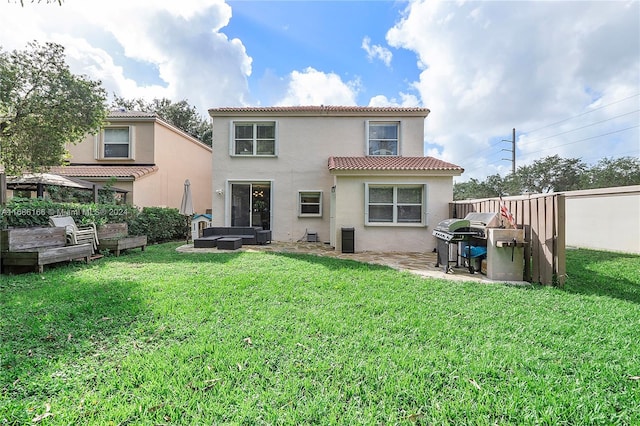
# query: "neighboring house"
148 157
319 169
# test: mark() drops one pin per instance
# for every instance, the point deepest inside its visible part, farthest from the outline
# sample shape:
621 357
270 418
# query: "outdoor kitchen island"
477 239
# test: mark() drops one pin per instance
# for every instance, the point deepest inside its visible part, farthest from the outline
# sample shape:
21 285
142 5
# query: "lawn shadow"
330 262
151 255
601 273
61 317
225 256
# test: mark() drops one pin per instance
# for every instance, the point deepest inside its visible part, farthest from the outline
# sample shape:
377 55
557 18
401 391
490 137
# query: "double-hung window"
391 204
310 203
254 138
117 142
383 138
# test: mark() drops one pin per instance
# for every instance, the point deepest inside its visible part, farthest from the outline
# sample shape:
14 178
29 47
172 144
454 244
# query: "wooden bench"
36 247
115 238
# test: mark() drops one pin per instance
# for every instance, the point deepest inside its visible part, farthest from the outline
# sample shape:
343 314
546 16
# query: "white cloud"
313 87
179 45
406 100
377 52
487 67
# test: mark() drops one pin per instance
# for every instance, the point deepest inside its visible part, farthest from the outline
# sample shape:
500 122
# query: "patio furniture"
85 233
115 238
36 247
248 234
263 236
229 243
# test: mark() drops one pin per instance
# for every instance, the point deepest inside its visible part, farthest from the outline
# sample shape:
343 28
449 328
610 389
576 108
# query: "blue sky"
293 35
565 74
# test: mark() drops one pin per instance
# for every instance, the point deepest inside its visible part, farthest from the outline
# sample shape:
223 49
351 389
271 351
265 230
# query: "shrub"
159 224
30 212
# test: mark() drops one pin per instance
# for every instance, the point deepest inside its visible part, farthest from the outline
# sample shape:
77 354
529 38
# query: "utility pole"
512 150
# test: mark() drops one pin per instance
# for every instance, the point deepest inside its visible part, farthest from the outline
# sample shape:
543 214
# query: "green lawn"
160 337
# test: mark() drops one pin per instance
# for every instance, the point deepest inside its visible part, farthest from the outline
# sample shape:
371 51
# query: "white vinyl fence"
604 219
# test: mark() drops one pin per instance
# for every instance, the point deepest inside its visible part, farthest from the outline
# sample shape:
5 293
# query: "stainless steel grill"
472 228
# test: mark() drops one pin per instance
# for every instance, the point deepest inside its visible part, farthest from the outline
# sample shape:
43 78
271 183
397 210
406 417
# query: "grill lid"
452 225
482 220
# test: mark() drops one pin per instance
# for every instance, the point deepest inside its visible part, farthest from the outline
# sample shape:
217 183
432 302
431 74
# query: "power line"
564 144
562 121
580 128
582 140
488 149
483 150
584 113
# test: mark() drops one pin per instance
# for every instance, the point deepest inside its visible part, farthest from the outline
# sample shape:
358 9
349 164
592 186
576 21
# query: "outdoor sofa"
250 235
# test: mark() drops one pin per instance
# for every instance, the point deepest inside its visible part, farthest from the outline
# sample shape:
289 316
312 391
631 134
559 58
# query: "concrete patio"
418 263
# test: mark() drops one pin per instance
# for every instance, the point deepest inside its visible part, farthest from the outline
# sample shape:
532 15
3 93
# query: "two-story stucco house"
148 157
329 169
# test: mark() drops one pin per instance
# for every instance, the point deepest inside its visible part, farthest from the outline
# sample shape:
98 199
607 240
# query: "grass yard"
159 337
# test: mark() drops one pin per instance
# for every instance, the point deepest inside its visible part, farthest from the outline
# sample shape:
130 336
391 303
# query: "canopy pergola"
38 181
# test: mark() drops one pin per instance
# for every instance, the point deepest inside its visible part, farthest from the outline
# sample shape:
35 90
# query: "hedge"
159 224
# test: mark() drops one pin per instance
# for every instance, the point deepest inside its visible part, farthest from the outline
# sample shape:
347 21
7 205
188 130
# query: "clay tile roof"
321 109
105 171
118 113
391 163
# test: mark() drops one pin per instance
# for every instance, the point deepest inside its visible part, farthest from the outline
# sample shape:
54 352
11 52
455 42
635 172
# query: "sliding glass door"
251 204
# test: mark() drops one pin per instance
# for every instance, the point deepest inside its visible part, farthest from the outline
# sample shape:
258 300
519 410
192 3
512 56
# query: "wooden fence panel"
525 219
542 218
545 208
536 254
560 248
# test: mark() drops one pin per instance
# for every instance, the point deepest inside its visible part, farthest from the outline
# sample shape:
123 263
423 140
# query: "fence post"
560 248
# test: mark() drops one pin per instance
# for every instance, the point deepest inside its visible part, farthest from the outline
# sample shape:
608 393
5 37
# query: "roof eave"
395 172
318 111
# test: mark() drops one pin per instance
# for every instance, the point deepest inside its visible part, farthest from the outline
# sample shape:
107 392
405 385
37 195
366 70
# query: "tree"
554 174
492 187
609 172
40 1
180 114
467 190
551 174
43 106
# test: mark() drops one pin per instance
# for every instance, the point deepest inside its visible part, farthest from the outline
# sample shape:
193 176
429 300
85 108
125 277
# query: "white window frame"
254 141
395 204
102 144
368 152
319 203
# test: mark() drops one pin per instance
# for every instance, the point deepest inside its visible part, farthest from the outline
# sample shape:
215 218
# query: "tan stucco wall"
178 159
350 196
604 219
304 146
144 133
177 156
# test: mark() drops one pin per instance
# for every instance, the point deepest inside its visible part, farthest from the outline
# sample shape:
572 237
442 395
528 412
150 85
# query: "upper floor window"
310 203
383 138
257 138
117 142
388 204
